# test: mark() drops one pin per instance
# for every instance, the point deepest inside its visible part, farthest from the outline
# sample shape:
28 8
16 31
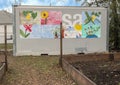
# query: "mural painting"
72 25
91 27
40 24
46 24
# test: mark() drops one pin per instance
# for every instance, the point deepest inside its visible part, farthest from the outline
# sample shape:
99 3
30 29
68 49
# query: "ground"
2 58
102 72
32 70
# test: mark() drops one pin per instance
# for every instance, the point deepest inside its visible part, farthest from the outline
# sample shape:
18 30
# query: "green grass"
9 46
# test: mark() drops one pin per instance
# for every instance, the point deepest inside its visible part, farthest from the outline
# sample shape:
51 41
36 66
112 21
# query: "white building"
41 39
5 19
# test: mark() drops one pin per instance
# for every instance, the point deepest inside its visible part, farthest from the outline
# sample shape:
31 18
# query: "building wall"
9 33
38 46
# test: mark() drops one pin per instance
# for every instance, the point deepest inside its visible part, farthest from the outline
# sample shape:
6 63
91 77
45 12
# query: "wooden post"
61 49
5 38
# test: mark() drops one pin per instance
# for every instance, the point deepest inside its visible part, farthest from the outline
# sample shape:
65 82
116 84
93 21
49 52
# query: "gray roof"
5 18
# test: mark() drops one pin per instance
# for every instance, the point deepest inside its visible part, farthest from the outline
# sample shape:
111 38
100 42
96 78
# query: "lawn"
31 70
9 46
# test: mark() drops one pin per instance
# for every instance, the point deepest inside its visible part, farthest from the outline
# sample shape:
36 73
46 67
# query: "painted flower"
44 14
28 27
28 17
78 27
42 21
93 18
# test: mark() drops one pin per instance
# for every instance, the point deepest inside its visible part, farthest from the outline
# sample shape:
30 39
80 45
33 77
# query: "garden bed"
2 65
94 69
2 70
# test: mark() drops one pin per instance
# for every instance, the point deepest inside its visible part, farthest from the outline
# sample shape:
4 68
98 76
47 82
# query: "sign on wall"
46 24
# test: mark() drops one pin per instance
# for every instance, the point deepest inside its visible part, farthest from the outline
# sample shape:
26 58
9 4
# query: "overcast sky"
7 4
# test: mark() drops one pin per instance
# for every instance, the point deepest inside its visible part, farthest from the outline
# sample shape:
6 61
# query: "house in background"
6 19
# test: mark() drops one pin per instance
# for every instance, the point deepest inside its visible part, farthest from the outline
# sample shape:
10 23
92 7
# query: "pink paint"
54 18
42 21
28 27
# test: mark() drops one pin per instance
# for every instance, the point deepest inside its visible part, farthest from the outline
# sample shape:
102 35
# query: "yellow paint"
44 14
93 18
78 27
28 17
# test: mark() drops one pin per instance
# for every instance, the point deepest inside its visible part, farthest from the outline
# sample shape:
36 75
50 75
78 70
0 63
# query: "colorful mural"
29 17
72 25
72 31
91 24
40 24
25 30
46 24
51 18
38 31
91 31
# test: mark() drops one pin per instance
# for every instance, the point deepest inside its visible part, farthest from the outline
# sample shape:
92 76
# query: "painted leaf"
34 15
87 15
25 13
86 21
96 14
92 13
99 13
92 22
98 28
22 33
30 11
27 35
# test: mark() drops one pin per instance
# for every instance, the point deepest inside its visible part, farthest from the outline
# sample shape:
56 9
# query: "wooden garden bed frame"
78 76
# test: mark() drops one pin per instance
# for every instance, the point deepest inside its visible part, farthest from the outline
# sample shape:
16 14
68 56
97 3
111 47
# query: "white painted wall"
9 33
38 46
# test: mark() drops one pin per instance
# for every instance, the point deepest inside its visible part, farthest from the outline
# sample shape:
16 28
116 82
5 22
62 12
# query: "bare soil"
35 70
2 58
102 72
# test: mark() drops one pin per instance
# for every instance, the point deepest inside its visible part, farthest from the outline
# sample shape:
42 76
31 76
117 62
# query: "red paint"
28 27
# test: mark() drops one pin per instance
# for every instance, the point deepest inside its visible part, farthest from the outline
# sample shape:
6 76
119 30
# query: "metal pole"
50 3
5 34
15 1
20 2
108 25
61 49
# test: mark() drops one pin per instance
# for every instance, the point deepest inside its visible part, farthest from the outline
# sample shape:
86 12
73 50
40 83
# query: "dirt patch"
2 58
101 71
32 70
